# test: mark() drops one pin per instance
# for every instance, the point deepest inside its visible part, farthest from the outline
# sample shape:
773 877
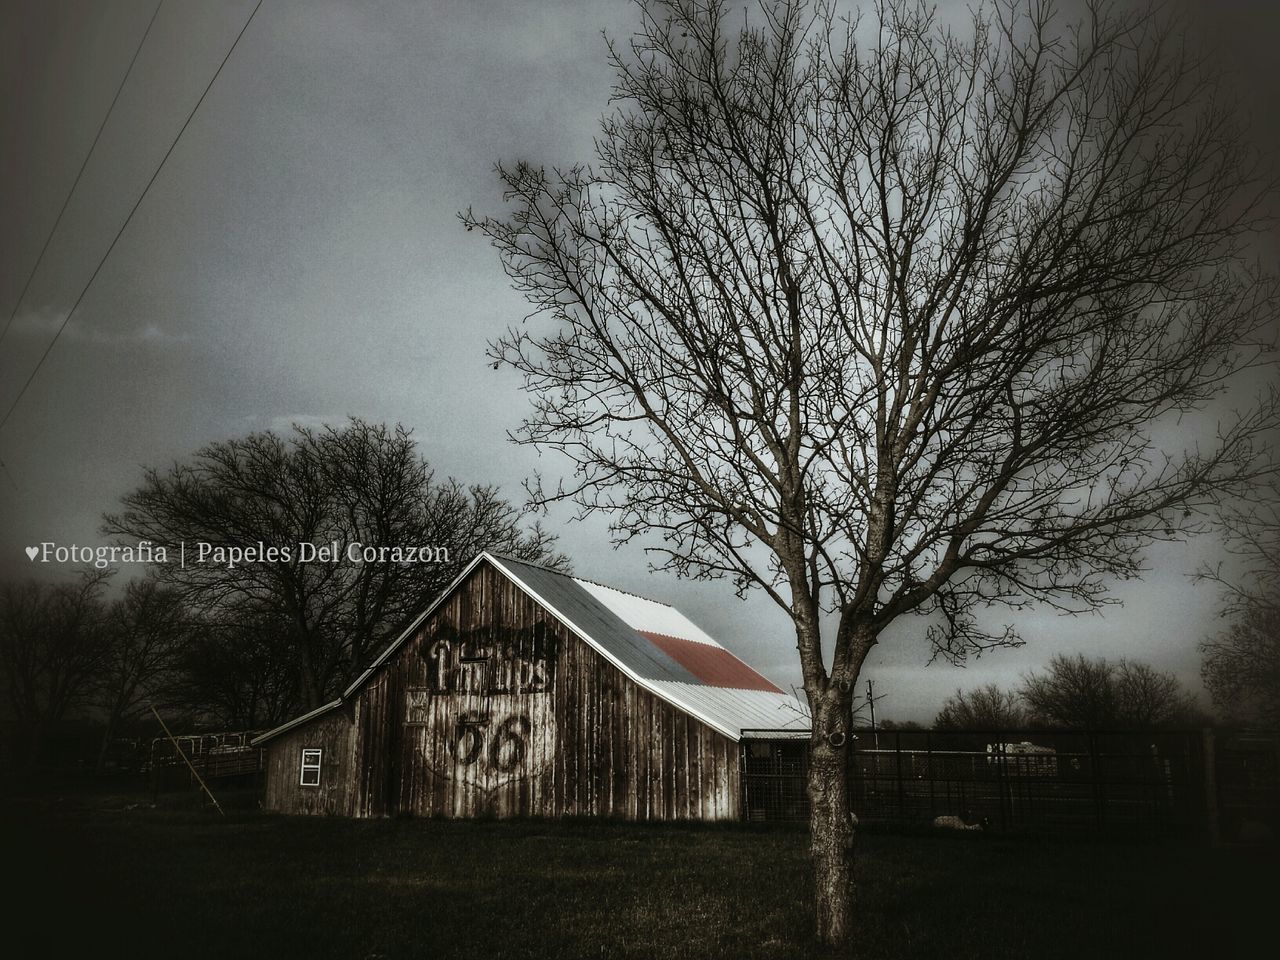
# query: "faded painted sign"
488 703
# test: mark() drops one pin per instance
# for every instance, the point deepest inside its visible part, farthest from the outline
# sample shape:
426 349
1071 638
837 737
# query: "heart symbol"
32 551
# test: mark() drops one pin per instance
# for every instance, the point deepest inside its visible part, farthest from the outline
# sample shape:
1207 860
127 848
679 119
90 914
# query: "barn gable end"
496 703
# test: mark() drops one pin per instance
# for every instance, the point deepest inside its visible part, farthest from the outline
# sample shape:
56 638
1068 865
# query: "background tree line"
1240 665
1077 692
247 646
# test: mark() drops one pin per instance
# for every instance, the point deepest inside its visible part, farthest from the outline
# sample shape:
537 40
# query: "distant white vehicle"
1024 758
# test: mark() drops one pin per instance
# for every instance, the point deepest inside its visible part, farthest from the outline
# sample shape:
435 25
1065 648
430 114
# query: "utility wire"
128 219
80 173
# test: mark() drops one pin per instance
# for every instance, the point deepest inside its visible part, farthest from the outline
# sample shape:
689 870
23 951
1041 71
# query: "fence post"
743 810
928 766
1209 768
1003 786
1095 774
897 754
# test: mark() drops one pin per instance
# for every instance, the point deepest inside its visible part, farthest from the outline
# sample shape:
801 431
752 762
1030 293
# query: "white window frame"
311 760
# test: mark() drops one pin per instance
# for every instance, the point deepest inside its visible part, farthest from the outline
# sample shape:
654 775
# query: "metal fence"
773 776
1147 782
1247 768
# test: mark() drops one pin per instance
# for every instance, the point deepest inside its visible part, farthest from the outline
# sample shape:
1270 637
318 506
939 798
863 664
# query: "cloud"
43 325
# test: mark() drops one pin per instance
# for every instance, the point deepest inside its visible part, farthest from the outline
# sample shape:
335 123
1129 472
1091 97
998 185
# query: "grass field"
98 879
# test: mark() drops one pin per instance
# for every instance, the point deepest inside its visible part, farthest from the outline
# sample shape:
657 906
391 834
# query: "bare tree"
1074 691
359 485
884 320
1147 697
53 638
148 630
1096 693
983 708
1241 665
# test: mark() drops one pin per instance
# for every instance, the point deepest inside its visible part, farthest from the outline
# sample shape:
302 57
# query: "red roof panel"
714 666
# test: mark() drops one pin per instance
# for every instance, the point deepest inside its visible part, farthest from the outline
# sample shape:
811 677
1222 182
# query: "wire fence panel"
774 776
1144 782
1148 781
1248 776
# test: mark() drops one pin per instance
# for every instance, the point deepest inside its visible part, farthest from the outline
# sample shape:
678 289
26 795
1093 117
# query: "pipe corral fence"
170 763
1138 782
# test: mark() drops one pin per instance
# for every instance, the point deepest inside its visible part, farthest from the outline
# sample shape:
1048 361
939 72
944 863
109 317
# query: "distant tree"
53 640
359 484
883 320
1095 693
1147 697
148 629
983 708
1074 691
904 725
1241 665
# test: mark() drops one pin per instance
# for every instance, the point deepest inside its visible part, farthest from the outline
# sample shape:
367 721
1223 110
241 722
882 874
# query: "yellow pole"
185 760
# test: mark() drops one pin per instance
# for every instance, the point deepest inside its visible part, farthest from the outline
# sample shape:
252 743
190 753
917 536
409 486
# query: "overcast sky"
299 260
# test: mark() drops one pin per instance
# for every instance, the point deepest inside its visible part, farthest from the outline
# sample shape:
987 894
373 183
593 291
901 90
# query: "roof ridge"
574 576
629 593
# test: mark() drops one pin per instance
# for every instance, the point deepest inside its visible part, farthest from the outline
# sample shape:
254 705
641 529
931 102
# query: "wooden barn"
526 692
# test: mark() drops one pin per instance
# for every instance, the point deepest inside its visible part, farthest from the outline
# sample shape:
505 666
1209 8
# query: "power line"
80 173
67 319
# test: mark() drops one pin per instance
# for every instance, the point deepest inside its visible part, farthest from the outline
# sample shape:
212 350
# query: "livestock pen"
1154 782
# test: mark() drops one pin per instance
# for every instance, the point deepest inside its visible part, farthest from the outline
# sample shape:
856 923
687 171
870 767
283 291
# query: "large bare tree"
886 319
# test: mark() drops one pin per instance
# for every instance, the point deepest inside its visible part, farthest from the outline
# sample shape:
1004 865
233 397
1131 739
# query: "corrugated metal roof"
761 711
295 722
687 668
609 632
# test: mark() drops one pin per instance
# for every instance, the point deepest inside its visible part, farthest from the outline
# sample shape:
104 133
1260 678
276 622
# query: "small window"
311 767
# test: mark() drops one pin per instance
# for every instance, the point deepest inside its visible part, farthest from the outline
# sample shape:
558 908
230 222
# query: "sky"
299 259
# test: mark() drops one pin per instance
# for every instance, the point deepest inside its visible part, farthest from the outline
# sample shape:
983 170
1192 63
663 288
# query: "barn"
522 691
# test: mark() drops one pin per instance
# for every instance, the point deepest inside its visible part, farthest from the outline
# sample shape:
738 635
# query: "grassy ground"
182 882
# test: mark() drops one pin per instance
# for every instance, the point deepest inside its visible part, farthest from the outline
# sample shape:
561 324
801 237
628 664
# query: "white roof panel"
640 613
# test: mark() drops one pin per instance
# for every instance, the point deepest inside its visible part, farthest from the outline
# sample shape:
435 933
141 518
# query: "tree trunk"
100 766
33 743
310 684
831 836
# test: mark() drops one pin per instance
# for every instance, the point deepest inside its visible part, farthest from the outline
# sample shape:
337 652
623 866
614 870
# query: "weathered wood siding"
494 708
332 734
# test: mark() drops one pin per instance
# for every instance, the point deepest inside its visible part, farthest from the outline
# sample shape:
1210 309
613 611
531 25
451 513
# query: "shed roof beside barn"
653 643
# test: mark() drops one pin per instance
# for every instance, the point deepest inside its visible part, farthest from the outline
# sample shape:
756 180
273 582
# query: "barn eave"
295 722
